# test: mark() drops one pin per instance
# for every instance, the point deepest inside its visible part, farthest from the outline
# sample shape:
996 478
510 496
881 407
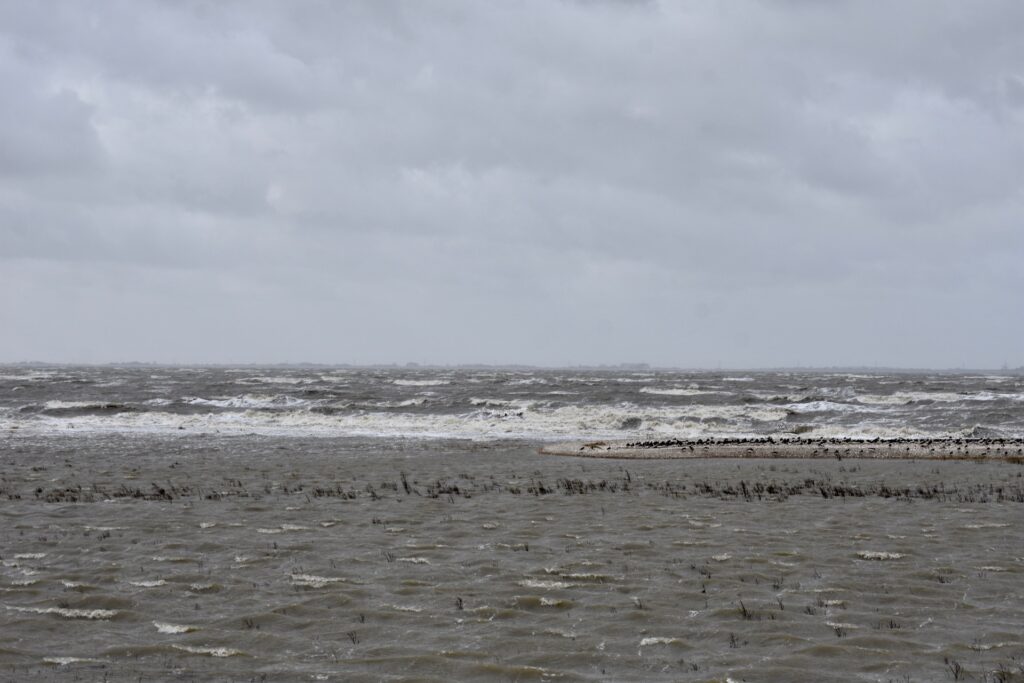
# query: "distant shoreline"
1010 450
520 367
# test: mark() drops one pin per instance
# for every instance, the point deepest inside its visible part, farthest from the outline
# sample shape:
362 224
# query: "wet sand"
284 559
782 447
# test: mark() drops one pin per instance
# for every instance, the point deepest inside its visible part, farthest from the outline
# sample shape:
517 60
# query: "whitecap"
64 661
534 583
248 401
274 380
68 612
553 602
676 391
211 651
281 529
164 627
73 405
879 555
314 581
658 641
405 608
491 402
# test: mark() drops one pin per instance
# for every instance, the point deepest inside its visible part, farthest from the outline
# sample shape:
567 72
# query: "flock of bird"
823 441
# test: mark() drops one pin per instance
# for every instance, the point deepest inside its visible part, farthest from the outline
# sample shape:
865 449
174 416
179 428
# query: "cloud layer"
699 183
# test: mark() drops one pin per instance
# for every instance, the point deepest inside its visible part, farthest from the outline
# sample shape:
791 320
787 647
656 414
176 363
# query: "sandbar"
1011 450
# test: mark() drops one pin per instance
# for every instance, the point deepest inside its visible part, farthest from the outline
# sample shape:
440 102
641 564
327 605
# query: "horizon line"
411 365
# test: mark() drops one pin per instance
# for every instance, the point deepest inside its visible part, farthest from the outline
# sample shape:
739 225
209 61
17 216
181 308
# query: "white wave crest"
677 391
209 651
314 581
902 398
249 401
421 382
64 661
546 585
879 555
658 641
164 627
492 417
68 612
76 405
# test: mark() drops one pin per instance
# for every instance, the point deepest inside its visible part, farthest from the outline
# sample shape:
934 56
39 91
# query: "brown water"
290 559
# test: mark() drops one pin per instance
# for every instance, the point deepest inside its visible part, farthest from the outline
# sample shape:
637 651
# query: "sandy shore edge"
1011 450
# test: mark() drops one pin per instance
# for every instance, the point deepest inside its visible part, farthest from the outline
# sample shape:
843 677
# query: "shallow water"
290 558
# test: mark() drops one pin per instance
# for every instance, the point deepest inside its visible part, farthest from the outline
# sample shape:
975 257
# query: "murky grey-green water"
281 558
304 523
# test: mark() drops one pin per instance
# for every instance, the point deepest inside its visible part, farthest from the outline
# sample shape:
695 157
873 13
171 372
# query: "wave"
41 376
526 420
84 407
421 382
407 403
68 612
247 401
501 403
504 405
902 398
678 391
209 651
276 380
174 629
812 406
78 405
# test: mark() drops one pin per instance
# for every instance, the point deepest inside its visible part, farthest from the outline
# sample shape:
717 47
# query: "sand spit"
785 447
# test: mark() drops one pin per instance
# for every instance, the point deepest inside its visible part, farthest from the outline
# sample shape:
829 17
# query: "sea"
309 523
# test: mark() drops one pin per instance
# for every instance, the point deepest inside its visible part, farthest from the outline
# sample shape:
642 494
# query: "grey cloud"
522 182
44 130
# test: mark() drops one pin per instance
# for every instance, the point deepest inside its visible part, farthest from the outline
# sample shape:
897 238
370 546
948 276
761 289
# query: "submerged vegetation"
467 486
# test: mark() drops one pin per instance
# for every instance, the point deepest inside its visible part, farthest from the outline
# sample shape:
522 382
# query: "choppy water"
502 405
306 526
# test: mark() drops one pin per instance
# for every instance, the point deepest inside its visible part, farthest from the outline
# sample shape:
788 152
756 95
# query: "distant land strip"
1010 450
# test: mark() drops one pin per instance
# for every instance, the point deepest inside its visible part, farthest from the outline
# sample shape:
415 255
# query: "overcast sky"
680 183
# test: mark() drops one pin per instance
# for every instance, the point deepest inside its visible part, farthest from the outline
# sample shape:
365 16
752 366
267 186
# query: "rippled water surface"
237 548
490 404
